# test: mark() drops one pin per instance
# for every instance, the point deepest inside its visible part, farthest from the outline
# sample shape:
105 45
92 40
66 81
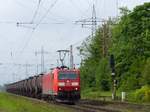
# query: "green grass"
107 95
13 103
97 94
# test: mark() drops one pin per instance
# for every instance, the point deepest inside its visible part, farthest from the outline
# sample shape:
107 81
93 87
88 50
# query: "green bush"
103 75
143 94
91 93
146 73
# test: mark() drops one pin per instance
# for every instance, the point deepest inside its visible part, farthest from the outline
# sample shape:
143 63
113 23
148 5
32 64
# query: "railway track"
84 106
113 106
99 108
91 106
87 105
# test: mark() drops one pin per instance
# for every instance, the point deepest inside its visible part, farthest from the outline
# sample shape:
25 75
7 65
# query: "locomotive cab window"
67 76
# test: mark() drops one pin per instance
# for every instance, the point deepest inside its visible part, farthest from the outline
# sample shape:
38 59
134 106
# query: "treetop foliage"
128 39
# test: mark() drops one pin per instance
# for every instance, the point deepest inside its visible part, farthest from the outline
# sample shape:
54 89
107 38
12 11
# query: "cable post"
113 75
71 57
42 52
92 22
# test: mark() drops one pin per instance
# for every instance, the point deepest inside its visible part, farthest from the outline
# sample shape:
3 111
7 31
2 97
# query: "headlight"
61 84
75 83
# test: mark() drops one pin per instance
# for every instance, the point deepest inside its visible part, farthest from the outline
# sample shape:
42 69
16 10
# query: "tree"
146 73
95 67
129 40
131 44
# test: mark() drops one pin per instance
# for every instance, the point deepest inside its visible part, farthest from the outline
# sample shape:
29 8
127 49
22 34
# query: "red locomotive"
62 84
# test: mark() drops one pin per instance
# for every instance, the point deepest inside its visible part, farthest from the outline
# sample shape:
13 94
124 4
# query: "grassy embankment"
138 96
13 103
97 94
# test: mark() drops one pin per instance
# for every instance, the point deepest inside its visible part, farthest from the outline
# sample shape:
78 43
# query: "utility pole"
27 66
71 57
37 69
42 52
26 69
42 59
106 38
114 81
92 22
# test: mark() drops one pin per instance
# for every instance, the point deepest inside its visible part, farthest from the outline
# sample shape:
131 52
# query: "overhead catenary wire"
23 48
76 7
21 52
83 13
43 17
31 34
51 6
7 22
28 40
36 11
20 24
57 17
41 6
33 30
26 24
37 26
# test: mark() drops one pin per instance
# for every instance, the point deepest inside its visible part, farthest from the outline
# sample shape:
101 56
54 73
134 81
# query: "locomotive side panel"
55 82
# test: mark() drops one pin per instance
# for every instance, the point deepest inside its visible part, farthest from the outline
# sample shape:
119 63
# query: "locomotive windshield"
67 76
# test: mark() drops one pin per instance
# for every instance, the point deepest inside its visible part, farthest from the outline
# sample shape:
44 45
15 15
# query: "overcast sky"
56 29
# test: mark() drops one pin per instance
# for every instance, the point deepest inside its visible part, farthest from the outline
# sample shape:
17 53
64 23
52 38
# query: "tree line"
128 39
